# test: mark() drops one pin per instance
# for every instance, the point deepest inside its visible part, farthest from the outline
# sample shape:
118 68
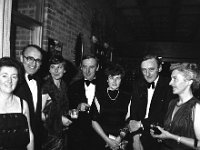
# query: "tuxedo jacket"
76 91
159 103
23 91
76 95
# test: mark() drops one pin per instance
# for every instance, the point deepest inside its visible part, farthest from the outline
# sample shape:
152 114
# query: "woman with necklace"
110 110
55 105
15 130
182 126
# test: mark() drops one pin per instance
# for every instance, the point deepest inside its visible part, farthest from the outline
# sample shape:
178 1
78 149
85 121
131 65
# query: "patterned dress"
182 123
14 131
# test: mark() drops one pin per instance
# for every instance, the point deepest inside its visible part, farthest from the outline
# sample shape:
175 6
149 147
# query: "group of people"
94 112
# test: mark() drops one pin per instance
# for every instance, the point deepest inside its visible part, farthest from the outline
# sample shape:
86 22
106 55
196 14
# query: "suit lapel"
39 98
157 96
144 98
30 97
82 86
27 95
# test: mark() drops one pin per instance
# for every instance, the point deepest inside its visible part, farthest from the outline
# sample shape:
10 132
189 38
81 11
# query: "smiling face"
57 71
179 82
150 69
31 60
89 68
8 79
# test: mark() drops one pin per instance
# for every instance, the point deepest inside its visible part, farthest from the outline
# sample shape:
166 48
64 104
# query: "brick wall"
23 35
63 20
23 38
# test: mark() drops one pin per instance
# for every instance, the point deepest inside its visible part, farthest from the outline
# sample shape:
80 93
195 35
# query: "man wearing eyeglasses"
30 89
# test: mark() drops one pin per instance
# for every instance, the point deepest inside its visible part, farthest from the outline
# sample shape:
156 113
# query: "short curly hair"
57 59
114 69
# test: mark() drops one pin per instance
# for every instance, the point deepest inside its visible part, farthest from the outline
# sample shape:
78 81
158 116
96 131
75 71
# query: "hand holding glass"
73 113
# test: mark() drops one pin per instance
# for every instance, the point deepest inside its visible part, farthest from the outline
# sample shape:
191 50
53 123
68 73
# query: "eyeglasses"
31 60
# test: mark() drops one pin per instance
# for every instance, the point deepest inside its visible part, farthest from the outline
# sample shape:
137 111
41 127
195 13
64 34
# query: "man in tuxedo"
30 89
81 94
151 95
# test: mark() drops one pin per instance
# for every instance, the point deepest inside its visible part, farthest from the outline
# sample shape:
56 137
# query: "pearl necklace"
115 96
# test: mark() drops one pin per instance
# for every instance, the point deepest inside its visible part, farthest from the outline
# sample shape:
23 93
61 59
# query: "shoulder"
76 83
164 80
139 86
197 107
139 81
125 93
23 104
196 102
173 101
47 82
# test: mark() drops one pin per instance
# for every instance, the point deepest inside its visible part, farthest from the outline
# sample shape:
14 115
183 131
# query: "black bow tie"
92 81
152 84
31 77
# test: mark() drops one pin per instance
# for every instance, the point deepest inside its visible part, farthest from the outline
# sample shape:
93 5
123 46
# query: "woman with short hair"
182 126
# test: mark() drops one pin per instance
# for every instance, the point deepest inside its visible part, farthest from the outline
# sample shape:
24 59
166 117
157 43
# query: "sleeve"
65 103
134 103
95 111
73 96
45 89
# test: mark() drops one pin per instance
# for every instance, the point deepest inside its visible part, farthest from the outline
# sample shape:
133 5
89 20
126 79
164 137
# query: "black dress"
112 115
57 106
14 131
182 124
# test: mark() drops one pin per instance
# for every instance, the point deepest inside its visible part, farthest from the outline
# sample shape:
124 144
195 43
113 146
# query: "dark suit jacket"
23 91
81 132
76 94
159 103
76 91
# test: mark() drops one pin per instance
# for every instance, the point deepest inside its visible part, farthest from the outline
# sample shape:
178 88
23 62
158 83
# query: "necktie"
31 77
92 81
151 85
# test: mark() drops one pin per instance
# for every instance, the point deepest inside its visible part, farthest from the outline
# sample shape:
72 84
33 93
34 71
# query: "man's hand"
137 145
134 125
83 107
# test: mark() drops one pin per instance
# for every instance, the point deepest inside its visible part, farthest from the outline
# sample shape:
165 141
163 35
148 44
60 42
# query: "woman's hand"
65 121
164 134
113 144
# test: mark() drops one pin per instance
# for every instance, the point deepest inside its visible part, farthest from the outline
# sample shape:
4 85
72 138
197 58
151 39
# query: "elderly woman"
110 110
182 126
55 104
15 130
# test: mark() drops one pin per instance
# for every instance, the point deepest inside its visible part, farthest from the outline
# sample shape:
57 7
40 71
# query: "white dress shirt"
90 92
150 95
34 90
